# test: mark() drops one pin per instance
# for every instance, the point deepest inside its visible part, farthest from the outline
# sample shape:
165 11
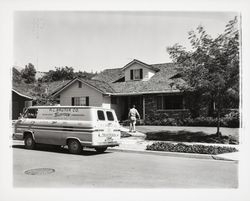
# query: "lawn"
190 134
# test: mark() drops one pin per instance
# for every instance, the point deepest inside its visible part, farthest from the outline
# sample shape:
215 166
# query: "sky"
96 40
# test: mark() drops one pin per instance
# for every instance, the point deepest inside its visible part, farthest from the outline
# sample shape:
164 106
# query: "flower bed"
199 149
187 136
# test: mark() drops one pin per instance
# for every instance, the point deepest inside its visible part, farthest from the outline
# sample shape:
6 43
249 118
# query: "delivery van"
74 126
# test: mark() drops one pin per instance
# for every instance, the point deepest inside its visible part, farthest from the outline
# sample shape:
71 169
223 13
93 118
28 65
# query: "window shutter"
141 73
131 75
72 101
87 101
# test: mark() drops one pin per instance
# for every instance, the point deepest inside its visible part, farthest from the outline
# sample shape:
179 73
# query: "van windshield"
31 113
100 115
110 116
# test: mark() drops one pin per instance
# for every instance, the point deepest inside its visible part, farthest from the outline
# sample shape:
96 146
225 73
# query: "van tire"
29 142
74 147
100 149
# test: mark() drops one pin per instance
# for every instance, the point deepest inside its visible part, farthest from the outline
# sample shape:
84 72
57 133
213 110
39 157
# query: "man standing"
132 117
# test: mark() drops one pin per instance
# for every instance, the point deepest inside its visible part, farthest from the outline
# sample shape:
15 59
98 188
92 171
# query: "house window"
79 84
136 74
80 101
169 102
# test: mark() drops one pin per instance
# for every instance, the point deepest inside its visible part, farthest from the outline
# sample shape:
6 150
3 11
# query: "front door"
138 102
126 102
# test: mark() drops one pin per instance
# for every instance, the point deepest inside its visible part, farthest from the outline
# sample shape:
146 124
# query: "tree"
211 68
16 76
64 73
29 73
60 73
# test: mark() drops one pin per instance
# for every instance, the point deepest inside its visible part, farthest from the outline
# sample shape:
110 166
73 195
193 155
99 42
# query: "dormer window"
136 74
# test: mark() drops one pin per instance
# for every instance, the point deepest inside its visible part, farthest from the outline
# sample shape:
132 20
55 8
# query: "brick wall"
158 117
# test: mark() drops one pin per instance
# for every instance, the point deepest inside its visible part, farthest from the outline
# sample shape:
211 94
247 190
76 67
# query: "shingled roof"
101 86
23 90
109 75
162 82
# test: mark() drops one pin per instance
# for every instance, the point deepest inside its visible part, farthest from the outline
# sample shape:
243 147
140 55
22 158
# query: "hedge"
230 120
199 149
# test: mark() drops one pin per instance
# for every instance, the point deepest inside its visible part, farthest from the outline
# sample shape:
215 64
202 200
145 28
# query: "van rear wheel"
100 149
29 142
74 147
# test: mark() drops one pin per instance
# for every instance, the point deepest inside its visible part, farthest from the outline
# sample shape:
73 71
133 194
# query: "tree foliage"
16 76
29 73
211 68
64 73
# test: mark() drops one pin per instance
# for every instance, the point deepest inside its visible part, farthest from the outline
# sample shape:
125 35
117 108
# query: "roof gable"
140 63
162 82
100 86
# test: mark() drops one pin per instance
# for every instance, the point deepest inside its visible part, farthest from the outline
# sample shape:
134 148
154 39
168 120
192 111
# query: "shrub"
180 147
232 119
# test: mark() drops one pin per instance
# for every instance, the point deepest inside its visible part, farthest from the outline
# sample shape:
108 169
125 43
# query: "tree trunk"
218 133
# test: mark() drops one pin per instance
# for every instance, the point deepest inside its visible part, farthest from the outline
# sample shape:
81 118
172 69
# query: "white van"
74 126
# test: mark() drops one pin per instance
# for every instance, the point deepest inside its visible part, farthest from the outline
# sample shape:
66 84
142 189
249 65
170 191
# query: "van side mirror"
20 115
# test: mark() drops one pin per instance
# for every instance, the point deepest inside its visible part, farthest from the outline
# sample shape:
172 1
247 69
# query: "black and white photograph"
127 99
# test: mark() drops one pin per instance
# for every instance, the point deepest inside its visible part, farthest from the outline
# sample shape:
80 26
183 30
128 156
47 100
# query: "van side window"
110 116
31 113
100 115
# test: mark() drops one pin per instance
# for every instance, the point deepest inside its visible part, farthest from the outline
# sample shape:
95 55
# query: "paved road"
122 170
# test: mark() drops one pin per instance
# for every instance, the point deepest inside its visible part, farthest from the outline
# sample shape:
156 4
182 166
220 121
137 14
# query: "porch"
150 106
122 104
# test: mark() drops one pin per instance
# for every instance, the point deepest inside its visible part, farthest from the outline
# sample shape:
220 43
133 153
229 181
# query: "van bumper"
17 136
114 144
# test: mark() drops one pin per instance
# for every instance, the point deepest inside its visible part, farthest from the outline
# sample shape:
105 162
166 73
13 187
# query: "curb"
163 153
173 154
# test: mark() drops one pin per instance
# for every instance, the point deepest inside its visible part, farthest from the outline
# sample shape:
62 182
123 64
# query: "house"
151 87
19 101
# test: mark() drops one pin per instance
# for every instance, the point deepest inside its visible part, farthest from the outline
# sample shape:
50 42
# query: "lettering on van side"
62 114
63 109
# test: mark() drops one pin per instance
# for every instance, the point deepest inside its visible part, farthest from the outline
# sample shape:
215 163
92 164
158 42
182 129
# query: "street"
119 170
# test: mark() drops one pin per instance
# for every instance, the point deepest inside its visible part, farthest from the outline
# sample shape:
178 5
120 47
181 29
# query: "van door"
108 126
28 120
48 131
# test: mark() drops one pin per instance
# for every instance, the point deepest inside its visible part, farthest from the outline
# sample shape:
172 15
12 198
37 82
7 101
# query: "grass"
190 134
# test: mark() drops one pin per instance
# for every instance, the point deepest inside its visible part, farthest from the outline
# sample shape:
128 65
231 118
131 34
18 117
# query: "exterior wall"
154 116
106 102
147 73
18 104
95 97
119 108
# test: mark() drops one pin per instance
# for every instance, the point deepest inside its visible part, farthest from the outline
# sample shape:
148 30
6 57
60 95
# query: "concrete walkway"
137 143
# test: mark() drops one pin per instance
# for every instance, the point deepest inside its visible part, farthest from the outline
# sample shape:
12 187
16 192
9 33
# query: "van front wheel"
74 147
100 149
29 142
